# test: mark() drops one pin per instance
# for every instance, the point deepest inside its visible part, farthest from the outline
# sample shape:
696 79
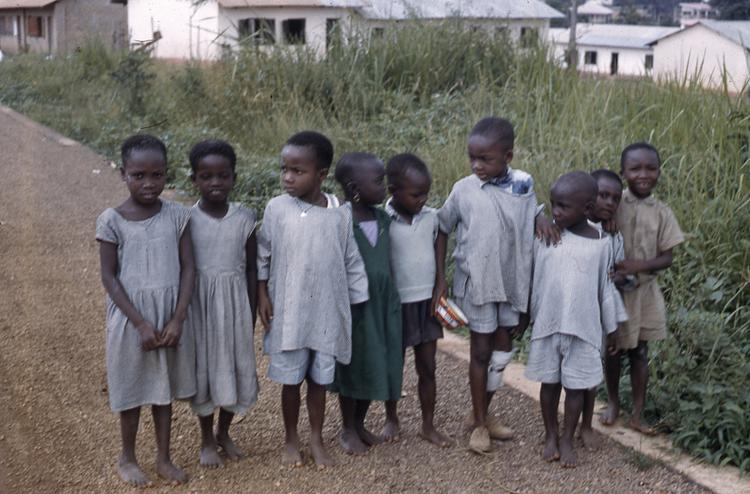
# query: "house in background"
708 50
611 49
60 26
596 12
180 29
688 13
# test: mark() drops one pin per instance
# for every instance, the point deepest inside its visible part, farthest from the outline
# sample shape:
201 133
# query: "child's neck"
135 211
315 197
214 209
583 229
405 215
362 212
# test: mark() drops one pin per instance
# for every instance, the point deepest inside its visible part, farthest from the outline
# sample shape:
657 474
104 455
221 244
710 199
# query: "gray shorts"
207 408
291 367
487 318
566 359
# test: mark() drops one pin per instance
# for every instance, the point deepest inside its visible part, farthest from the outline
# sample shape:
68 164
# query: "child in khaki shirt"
650 231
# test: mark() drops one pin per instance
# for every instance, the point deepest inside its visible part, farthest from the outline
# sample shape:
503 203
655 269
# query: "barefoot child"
376 368
222 312
572 304
310 273
148 273
413 231
493 212
650 231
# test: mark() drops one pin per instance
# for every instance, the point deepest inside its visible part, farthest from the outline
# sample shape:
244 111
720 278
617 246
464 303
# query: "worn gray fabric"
370 229
572 292
293 366
617 254
220 314
494 241
149 271
413 253
486 318
314 272
565 359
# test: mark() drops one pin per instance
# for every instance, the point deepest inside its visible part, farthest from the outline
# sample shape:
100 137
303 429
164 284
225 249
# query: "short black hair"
579 182
499 129
347 165
320 144
636 146
398 165
209 147
141 142
603 173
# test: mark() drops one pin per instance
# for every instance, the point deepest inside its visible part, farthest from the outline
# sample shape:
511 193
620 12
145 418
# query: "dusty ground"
58 435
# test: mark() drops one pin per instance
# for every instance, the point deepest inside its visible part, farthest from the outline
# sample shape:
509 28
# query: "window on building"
260 31
649 62
529 37
35 26
377 32
333 31
502 32
6 25
589 58
294 31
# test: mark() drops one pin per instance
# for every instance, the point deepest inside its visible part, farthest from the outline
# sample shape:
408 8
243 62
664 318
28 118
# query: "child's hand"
172 332
265 310
612 343
546 230
628 267
520 329
149 339
440 290
617 278
610 226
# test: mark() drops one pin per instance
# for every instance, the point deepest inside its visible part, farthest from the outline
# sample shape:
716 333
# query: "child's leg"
360 413
549 399
639 381
162 415
392 426
127 466
209 456
424 361
222 436
481 346
349 439
316 408
587 431
290 400
573 407
612 368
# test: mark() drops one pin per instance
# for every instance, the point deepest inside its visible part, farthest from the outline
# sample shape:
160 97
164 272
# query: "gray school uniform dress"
220 313
149 264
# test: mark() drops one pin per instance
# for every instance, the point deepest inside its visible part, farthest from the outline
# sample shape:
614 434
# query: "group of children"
342 290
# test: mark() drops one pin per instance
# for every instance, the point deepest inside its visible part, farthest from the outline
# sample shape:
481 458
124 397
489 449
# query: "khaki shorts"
647 316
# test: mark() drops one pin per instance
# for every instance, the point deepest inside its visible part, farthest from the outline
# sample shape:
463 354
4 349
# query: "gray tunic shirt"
314 272
494 239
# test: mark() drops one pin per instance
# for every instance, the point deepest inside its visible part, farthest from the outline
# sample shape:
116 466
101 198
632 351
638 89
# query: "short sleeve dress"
220 315
149 271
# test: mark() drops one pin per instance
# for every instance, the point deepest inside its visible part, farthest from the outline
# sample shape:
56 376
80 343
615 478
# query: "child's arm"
635 266
251 273
263 267
441 285
109 266
546 230
265 308
173 328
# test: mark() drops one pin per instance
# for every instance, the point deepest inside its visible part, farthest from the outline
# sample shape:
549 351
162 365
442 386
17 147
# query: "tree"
732 9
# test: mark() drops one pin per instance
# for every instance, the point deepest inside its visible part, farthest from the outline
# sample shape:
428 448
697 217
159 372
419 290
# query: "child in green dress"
376 367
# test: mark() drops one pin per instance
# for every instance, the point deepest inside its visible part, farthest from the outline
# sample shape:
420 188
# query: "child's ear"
122 173
392 188
192 176
509 155
323 173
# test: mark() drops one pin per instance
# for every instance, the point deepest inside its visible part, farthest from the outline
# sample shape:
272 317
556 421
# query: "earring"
356 197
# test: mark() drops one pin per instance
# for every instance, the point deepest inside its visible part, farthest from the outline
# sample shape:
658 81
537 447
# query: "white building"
595 12
688 13
707 50
611 49
180 29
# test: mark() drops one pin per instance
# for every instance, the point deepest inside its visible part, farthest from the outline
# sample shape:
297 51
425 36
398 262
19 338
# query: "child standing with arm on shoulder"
376 368
650 231
310 274
222 313
148 273
413 231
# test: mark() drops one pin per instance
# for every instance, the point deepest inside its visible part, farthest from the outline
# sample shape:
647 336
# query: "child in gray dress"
148 273
222 313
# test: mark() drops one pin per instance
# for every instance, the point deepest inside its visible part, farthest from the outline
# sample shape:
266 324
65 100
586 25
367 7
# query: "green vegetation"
421 90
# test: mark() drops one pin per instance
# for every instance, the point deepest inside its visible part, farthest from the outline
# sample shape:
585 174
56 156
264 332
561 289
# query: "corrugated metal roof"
473 9
737 31
25 4
614 35
592 7
233 4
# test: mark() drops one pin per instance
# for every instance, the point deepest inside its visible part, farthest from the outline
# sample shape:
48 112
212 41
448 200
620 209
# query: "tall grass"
421 90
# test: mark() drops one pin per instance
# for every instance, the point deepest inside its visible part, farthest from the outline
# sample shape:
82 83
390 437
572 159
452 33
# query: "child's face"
607 200
214 178
300 176
641 170
145 174
410 194
569 207
488 157
368 182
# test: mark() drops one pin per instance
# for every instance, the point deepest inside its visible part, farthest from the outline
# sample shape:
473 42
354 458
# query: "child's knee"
639 354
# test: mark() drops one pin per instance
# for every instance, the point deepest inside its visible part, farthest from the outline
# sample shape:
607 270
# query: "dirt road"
58 435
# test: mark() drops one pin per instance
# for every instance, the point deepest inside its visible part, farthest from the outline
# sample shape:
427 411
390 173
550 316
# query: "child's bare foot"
368 437
551 451
636 424
568 458
352 443
132 474
320 455
210 457
429 433
610 414
232 451
391 431
589 438
291 455
170 472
